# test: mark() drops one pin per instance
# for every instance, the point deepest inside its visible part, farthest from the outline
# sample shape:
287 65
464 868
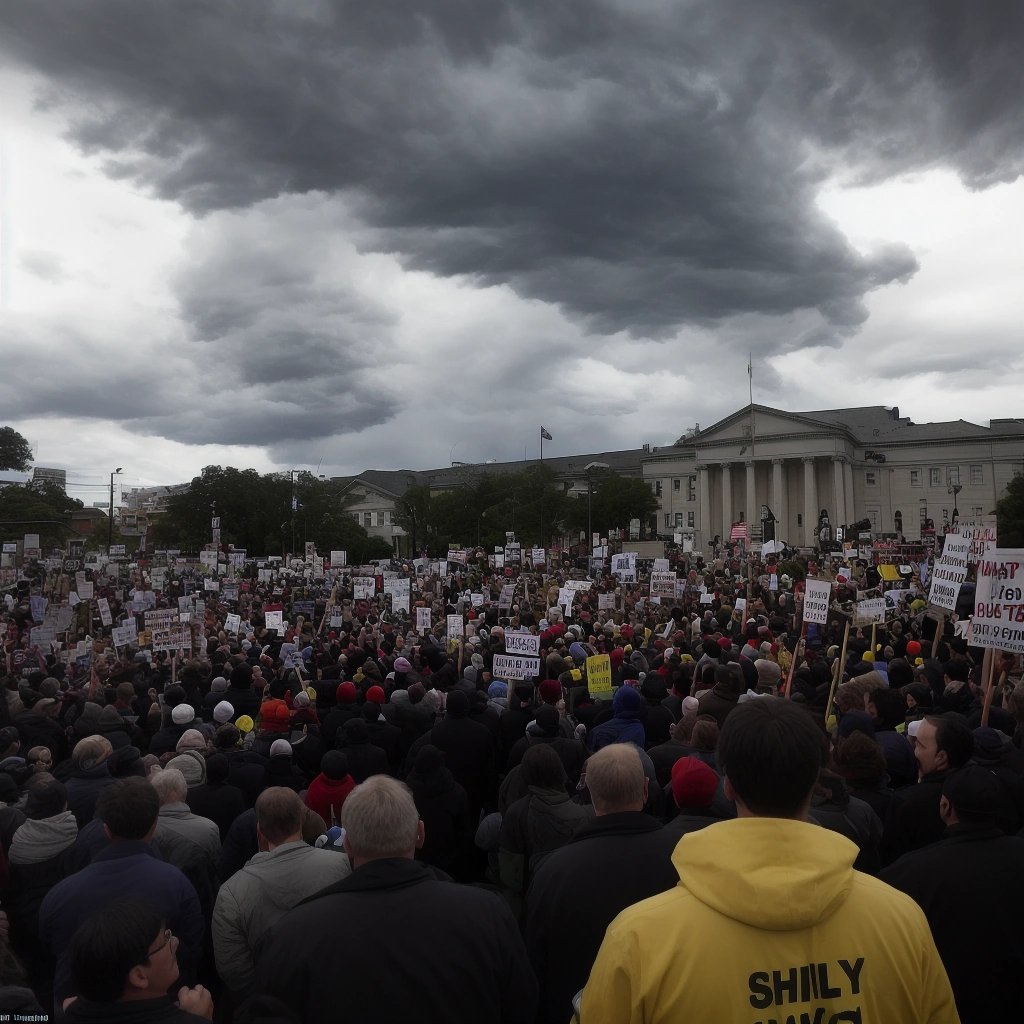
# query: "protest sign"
707 598
476 600
566 596
454 627
163 618
537 556
950 572
42 636
661 565
522 643
104 607
124 635
816 600
364 588
740 605
212 585
663 584
339 559
175 638
508 592
423 620
506 666
275 620
578 584
85 591
999 600
869 612
605 602
599 676
232 622
981 535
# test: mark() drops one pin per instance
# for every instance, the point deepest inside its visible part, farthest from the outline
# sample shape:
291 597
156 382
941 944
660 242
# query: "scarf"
38 841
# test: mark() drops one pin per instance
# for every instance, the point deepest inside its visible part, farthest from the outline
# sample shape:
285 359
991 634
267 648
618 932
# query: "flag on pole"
750 365
545 434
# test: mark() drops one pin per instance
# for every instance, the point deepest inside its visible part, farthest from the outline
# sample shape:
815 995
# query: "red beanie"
694 783
347 693
376 694
551 691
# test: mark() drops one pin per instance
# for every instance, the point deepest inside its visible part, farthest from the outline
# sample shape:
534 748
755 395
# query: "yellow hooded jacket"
769 923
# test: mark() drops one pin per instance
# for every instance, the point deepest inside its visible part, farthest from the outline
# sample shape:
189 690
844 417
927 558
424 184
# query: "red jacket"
326 796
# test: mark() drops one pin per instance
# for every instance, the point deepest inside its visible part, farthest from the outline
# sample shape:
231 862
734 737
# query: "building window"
873 515
977 476
934 477
356 516
387 517
691 488
954 476
668 520
679 519
367 519
945 518
657 488
799 519
923 513
676 484
978 510
689 519
870 478
380 518
915 478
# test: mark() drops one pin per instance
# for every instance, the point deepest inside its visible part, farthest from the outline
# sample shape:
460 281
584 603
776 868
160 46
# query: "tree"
44 509
414 514
1010 515
614 501
15 451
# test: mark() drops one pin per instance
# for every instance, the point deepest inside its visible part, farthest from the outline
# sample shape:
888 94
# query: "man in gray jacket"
281 875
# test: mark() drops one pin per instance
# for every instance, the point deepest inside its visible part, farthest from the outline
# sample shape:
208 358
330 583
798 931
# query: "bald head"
616 780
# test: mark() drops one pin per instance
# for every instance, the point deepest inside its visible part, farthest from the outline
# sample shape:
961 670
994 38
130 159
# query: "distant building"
59 477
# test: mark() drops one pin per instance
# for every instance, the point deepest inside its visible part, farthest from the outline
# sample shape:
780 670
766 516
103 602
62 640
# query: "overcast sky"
354 235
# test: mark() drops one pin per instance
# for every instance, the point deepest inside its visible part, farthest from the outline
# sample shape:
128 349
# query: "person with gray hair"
90 775
571 900
185 839
458 947
285 872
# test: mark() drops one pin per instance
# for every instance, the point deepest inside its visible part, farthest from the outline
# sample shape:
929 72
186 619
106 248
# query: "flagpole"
541 444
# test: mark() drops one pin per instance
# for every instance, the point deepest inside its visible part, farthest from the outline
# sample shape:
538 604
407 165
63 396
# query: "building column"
810 502
779 500
839 488
851 504
751 506
726 501
704 494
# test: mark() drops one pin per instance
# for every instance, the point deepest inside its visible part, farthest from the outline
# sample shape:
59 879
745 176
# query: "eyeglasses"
168 935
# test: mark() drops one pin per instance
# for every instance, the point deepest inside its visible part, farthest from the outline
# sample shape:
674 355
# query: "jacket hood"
748 869
626 702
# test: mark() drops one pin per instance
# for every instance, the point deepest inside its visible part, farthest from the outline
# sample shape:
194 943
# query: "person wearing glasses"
124 964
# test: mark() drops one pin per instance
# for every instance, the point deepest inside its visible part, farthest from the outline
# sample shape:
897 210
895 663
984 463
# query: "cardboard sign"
870 612
505 666
176 638
275 620
522 643
981 535
999 600
599 676
817 595
950 572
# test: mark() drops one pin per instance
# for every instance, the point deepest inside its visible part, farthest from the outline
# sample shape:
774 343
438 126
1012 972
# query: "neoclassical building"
856 464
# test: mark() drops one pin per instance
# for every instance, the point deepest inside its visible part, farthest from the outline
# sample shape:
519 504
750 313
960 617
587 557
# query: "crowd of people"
349 817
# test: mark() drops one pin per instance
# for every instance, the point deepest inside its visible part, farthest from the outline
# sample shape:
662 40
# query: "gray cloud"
47 266
642 167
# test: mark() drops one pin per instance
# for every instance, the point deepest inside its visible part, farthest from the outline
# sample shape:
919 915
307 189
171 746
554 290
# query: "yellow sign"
599 677
889 573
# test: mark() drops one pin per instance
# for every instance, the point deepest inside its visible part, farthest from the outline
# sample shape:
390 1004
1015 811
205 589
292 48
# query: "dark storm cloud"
643 165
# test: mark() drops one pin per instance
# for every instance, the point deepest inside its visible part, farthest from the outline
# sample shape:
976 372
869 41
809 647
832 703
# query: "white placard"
999 600
816 601
476 600
176 638
164 618
663 584
740 604
566 596
339 559
605 602
981 533
870 612
578 584
505 666
364 588
232 622
522 643
538 556
454 626
85 591
124 635
423 620
707 598
661 565
275 620
950 572
104 606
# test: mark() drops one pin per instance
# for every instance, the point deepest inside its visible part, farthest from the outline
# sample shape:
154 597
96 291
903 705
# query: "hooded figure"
327 792
625 725
444 810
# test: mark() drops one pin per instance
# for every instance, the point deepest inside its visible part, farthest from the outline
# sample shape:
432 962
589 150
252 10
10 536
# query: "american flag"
740 531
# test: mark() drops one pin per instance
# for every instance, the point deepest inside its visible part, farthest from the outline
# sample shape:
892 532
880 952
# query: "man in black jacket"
452 952
970 881
943 745
619 858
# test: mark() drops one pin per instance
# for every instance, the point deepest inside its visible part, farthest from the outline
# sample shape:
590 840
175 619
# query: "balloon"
913 648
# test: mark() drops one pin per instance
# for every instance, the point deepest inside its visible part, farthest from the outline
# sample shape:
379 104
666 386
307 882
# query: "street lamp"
588 469
110 517
955 489
291 477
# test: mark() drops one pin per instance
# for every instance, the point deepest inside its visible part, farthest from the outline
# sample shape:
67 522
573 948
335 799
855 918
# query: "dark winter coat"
444 811
460 952
914 819
83 788
219 801
469 756
968 886
578 891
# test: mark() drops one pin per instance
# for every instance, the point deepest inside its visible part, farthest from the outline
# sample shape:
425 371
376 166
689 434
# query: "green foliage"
614 501
15 451
1010 515
256 514
41 508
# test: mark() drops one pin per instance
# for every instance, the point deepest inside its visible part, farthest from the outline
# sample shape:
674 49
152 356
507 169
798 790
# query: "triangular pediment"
765 423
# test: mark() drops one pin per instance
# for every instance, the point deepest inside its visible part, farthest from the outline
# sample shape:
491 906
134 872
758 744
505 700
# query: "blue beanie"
626 698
